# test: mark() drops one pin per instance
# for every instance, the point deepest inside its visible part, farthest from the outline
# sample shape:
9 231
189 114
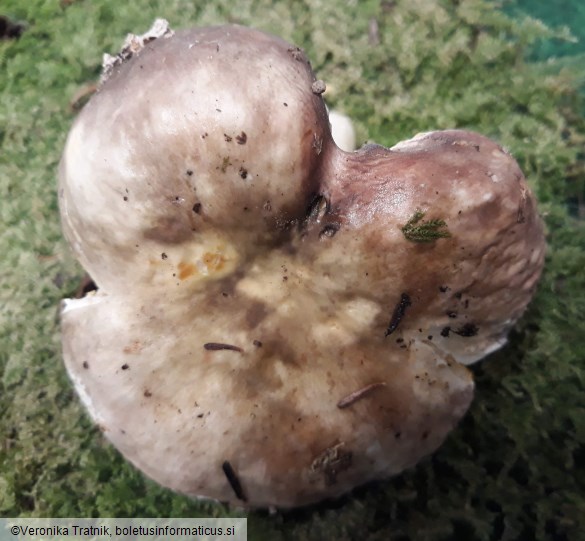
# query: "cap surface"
278 321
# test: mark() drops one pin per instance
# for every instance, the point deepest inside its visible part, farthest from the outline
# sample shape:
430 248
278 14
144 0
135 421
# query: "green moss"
428 231
510 469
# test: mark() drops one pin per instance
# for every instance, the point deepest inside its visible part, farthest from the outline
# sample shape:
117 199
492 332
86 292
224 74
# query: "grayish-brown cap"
278 321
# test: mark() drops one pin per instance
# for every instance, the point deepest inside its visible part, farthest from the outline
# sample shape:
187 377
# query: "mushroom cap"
278 321
161 155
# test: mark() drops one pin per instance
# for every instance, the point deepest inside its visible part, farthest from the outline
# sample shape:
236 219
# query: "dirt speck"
225 164
329 231
296 53
318 87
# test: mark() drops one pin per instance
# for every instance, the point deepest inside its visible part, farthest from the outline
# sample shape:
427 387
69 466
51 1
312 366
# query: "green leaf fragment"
416 230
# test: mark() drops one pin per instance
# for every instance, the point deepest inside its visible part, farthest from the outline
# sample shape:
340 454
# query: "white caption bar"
126 529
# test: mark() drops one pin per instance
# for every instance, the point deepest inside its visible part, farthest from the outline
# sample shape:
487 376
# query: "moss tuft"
428 231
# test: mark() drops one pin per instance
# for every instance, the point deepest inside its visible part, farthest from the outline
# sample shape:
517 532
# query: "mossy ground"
510 470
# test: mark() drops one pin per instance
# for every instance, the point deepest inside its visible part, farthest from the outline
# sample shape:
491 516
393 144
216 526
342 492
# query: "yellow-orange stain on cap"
186 270
213 262
210 262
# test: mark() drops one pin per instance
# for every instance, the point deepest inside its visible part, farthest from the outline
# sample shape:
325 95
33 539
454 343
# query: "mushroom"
342 131
278 321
